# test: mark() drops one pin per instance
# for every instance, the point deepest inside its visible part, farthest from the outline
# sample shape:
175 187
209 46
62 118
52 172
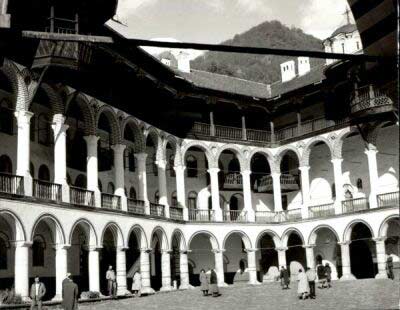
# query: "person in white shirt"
112 282
38 290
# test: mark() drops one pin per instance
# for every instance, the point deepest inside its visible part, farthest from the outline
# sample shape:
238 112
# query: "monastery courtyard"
361 294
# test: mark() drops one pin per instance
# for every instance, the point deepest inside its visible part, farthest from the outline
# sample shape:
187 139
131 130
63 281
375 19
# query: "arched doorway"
235 246
267 257
5 164
295 254
108 256
133 254
158 245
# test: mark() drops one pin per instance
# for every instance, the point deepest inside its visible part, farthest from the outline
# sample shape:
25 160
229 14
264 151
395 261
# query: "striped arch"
86 110
141 237
385 224
312 238
281 153
349 228
245 238
178 234
55 99
305 159
117 234
55 226
200 145
173 141
15 223
268 155
113 121
286 234
213 239
237 151
162 237
272 234
130 121
338 145
89 230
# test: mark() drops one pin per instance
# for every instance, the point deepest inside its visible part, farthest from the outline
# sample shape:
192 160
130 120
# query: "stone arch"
17 227
181 239
173 141
286 234
130 121
162 237
305 159
245 238
382 232
113 121
244 165
86 109
52 222
338 144
55 99
140 236
268 155
89 230
198 144
276 165
349 228
272 234
117 234
313 235
213 239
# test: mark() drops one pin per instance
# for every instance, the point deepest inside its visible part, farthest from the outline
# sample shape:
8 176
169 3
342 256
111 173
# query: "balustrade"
226 132
46 190
176 213
201 215
136 206
235 216
81 197
323 210
388 200
233 180
157 209
11 184
110 201
201 129
258 135
367 97
355 205
267 217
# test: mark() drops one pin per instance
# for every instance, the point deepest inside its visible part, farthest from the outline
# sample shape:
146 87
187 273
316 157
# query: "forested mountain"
259 68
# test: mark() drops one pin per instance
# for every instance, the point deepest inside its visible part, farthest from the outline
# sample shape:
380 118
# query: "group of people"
209 283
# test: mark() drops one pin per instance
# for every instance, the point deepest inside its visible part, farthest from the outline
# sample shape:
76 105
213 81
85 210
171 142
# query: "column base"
381 276
147 291
166 288
348 277
186 287
254 283
123 292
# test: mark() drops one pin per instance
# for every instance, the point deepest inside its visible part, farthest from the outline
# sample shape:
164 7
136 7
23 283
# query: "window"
38 248
171 166
284 202
333 188
32 130
174 200
5 164
154 165
6 117
132 193
359 184
343 48
192 200
191 166
44 133
44 173
358 45
100 186
157 197
110 188
32 169
4 246
130 160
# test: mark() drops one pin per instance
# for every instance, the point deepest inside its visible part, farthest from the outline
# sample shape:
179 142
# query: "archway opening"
201 256
392 244
290 181
362 252
151 166
6 106
175 260
133 257
104 151
267 258
236 259
155 262
261 180
108 257
7 251
295 254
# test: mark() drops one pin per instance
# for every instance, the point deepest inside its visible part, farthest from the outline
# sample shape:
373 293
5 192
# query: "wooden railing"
258 135
226 132
288 182
367 97
388 200
11 184
81 197
157 209
201 215
267 217
202 129
176 213
235 216
233 180
354 205
46 190
321 210
110 201
287 133
136 206
316 125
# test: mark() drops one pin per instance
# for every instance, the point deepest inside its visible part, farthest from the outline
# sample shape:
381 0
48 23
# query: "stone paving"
361 294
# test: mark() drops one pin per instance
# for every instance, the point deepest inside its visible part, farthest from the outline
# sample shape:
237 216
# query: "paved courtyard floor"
361 294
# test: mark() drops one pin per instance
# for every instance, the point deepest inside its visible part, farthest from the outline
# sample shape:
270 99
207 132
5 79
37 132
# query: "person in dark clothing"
311 277
285 280
69 295
328 273
389 267
321 273
204 282
214 284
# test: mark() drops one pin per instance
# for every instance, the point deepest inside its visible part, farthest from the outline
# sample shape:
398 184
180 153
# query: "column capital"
140 156
121 248
336 160
180 168
370 151
94 248
161 163
251 250
282 248
118 148
344 243
185 251
91 139
23 116
22 244
215 251
379 239
61 247
309 246
213 170
245 172
166 251
145 250
305 168
59 118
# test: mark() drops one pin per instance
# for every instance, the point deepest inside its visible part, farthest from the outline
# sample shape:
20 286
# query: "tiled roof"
348 28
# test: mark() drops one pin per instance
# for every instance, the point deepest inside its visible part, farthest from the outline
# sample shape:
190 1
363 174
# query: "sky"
213 21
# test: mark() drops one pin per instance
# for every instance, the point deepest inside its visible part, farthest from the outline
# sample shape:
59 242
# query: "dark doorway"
362 265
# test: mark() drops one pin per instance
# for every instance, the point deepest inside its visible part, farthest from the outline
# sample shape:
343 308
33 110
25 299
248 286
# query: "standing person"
302 289
214 283
328 273
389 267
321 273
70 294
204 282
137 283
311 277
38 290
111 282
285 280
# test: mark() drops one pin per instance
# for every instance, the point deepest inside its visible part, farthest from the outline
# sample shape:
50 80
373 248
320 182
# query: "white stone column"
282 256
180 190
61 268
166 271
276 182
248 205
337 171
94 269
346 266
305 190
381 258
21 269
142 180
60 154
162 185
23 149
145 271
121 271
184 270
92 168
373 177
244 132
119 174
310 255
219 266
252 266
215 193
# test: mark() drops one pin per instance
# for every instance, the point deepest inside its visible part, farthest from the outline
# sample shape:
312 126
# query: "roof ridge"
228 76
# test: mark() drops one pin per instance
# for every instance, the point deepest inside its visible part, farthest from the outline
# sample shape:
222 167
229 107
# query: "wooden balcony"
201 215
368 100
110 201
233 181
321 211
176 213
136 206
288 182
388 200
11 184
81 197
157 209
47 190
237 216
355 205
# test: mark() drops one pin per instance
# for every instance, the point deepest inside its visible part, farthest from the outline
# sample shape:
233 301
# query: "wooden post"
76 23
244 133
212 127
298 123
52 18
273 139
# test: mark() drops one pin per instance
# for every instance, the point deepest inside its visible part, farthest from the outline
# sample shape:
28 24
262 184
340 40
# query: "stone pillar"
5 19
145 271
212 126
273 139
166 271
23 149
346 266
61 268
162 185
184 270
337 171
60 154
252 266
121 271
180 190
310 255
305 190
219 266
244 133
373 177
248 205
282 256
94 269
381 258
92 168
142 180
276 182
21 269
215 193
119 174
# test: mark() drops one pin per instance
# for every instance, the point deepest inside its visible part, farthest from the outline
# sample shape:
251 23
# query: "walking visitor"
389 267
311 277
285 280
137 283
214 283
38 290
70 294
204 282
111 282
328 273
303 288
321 273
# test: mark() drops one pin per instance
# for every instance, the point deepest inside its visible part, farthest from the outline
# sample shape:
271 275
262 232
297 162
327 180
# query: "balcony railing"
201 215
81 197
226 132
46 190
291 215
110 201
355 205
136 206
287 133
368 97
157 209
289 182
201 129
388 200
258 135
233 180
235 216
176 213
267 217
319 211
11 184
